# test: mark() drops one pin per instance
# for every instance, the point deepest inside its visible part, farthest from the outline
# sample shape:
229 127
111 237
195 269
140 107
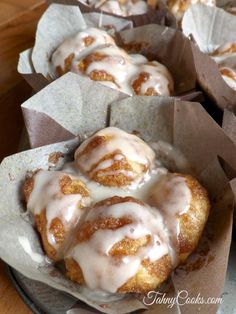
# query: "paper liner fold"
67 107
26 69
168 46
210 27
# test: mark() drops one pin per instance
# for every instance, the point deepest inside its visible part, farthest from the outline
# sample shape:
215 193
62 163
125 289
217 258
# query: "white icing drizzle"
172 196
168 193
128 145
159 78
46 194
109 273
125 68
226 61
230 77
77 45
122 8
117 63
99 192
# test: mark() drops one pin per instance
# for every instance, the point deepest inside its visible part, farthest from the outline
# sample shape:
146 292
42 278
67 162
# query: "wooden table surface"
18 19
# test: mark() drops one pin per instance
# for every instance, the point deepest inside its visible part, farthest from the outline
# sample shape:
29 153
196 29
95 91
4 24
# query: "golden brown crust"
88 40
113 175
137 84
69 186
149 274
192 223
73 271
67 65
92 57
218 52
28 187
56 228
95 75
228 72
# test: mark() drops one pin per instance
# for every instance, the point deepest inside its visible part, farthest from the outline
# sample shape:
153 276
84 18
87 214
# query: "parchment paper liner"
68 106
160 15
62 21
190 129
210 27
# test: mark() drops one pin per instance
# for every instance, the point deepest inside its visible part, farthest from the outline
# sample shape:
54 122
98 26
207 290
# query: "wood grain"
18 20
16 34
10 301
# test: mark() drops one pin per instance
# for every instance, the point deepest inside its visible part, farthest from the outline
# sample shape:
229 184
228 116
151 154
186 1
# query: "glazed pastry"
110 65
120 7
113 157
152 79
121 224
120 246
138 244
131 74
184 205
93 53
231 10
229 76
56 201
72 49
225 57
178 7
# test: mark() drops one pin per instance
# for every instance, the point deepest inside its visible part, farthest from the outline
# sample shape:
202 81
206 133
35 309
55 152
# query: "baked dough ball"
113 157
74 48
178 7
131 74
185 206
93 53
56 201
120 246
152 79
229 76
225 57
230 9
110 65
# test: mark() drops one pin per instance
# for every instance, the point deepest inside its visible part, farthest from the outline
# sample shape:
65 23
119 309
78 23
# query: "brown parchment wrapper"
189 128
69 105
166 45
224 4
157 42
210 27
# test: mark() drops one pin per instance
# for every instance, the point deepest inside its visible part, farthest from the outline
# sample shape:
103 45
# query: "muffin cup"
161 43
72 105
210 27
157 13
187 127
